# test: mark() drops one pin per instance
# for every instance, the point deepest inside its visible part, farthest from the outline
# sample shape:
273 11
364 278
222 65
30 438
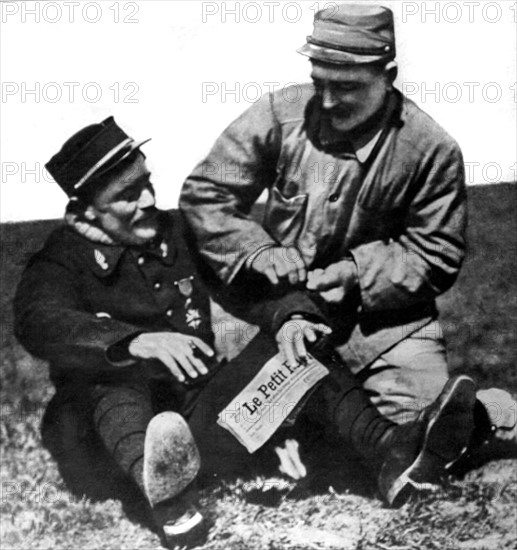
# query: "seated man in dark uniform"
115 301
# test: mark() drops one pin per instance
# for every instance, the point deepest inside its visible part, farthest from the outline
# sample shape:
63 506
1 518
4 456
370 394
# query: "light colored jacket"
401 215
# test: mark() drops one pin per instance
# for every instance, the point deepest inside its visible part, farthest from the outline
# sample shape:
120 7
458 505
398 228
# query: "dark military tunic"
78 298
80 303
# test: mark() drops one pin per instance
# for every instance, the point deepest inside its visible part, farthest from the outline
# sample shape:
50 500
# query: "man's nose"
328 99
146 199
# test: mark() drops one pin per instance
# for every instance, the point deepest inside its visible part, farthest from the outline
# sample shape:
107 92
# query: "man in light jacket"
366 207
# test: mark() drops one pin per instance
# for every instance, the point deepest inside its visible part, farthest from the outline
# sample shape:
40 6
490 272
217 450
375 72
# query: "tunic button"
334 197
141 260
157 286
169 313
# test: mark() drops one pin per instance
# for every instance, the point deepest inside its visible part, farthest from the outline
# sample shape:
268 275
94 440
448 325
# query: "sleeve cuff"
296 303
118 353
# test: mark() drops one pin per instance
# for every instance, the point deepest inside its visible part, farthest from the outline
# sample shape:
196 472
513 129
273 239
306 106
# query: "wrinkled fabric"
408 377
77 300
401 215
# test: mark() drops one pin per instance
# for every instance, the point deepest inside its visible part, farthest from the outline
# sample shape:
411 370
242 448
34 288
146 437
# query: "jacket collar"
103 258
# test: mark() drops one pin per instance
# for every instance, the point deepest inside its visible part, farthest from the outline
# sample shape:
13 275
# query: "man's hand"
335 282
292 335
279 262
174 350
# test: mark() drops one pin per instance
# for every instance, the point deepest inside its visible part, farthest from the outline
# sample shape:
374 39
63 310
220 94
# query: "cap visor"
116 160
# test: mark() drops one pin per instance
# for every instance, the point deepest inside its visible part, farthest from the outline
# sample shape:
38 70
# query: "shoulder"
283 105
423 132
171 215
290 102
63 246
173 221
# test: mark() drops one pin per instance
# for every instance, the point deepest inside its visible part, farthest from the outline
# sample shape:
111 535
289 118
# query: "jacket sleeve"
51 322
424 260
253 298
272 313
218 195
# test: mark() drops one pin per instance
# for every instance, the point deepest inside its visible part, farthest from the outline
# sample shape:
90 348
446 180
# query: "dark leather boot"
420 452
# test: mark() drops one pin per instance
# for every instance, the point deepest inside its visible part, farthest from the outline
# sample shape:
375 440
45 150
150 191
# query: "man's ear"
391 70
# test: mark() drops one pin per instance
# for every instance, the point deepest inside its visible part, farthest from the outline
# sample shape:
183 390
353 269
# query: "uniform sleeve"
52 324
424 260
218 196
252 298
271 314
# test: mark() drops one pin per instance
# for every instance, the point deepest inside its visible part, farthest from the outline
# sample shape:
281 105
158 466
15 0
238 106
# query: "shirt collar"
363 152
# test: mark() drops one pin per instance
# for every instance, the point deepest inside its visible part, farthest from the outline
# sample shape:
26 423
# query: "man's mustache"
147 214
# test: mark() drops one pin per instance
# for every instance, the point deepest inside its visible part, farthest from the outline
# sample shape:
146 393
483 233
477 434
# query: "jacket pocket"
284 217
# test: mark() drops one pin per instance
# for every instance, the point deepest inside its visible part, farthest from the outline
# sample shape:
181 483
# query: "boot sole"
446 439
171 457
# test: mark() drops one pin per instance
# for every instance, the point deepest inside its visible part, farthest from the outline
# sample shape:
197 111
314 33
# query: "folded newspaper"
260 408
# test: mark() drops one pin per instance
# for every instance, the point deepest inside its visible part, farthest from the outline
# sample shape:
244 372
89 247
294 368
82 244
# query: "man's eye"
129 196
133 194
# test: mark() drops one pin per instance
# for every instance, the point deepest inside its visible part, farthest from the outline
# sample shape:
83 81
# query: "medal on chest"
192 315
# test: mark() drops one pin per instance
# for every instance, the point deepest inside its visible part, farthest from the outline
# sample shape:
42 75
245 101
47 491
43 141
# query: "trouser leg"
121 416
68 434
220 451
409 376
339 404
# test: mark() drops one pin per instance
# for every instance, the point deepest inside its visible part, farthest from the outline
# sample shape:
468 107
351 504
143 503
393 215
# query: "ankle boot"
419 453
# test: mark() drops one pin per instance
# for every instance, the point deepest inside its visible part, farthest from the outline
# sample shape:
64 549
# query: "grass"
335 507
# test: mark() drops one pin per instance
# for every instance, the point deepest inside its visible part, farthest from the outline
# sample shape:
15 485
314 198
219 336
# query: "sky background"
166 69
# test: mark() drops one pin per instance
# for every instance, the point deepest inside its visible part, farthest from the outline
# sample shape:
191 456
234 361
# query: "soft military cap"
347 34
89 153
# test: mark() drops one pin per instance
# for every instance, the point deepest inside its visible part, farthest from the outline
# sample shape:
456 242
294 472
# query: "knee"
402 398
121 406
